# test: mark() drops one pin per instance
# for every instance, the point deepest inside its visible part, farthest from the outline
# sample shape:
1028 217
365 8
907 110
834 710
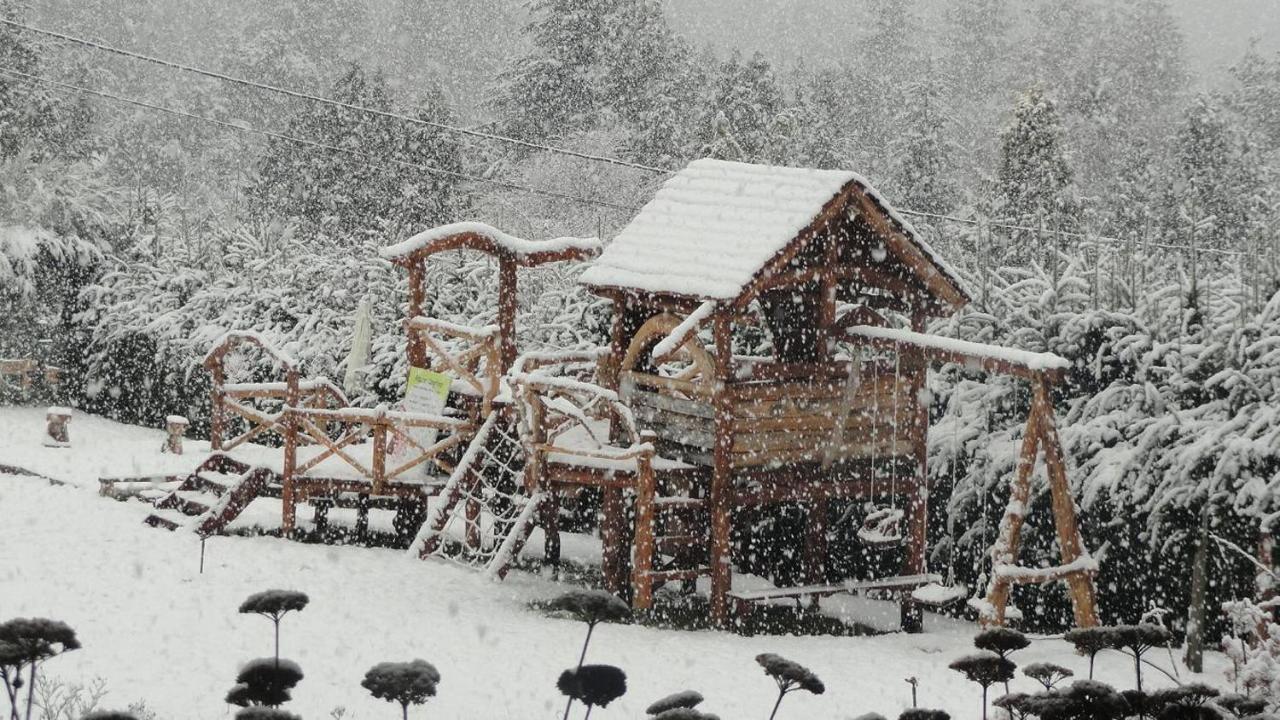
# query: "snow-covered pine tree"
744 109
921 153
389 185
1035 185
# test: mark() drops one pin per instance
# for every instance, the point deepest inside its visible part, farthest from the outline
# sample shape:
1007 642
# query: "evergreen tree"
921 153
1035 184
344 192
742 116
593 63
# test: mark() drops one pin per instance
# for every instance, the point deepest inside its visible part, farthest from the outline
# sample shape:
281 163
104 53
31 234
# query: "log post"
550 521
1005 550
815 542
417 347
55 430
379 468
1080 584
217 413
176 427
611 537
722 474
507 302
288 492
916 561
645 542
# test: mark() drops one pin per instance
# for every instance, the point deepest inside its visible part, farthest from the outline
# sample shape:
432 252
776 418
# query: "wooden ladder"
1077 568
670 523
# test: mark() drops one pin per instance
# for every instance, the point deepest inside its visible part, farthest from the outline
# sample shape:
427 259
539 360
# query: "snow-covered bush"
406 683
25 645
274 605
789 676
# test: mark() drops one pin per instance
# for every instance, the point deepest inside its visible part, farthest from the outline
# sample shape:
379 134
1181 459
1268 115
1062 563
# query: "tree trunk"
1199 581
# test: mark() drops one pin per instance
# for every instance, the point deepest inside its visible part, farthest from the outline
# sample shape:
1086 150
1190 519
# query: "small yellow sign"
438 382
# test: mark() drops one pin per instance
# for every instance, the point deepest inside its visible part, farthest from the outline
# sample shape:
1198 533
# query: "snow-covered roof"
713 225
518 247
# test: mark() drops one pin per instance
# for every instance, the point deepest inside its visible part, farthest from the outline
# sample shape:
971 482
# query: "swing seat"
937 595
882 528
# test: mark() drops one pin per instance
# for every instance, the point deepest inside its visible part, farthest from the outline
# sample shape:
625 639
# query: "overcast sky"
1217 31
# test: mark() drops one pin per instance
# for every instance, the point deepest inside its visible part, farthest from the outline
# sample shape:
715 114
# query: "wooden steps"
212 496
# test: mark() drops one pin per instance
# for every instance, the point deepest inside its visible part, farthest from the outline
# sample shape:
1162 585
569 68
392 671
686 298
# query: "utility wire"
244 127
336 103
510 140
1066 233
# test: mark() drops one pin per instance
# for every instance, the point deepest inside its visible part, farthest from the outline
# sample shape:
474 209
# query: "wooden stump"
55 433
176 426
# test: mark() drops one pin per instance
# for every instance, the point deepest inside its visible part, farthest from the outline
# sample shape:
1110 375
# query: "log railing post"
645 541
217 413
722 474
379 468
288 494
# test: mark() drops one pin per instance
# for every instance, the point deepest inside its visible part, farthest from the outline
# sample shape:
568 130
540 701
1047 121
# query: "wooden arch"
697 379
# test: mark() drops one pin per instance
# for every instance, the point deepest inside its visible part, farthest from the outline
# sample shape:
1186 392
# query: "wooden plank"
897 582
809 492
857 450
671 404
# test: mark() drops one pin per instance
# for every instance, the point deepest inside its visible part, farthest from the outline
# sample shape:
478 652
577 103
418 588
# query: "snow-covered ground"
157 630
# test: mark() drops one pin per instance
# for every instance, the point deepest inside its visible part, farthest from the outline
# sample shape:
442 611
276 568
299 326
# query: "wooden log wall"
787 421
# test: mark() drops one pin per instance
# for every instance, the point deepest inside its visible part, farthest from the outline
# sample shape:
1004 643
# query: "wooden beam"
507 302
721 559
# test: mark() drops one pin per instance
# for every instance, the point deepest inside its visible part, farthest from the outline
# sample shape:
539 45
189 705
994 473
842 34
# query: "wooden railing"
238 400
566 417
471 355
381 425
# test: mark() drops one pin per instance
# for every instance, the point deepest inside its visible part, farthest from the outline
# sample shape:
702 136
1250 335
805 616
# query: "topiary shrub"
591 607
923 714
789 676
265 681
1001 641
1091 641
986 669
1015 704
593 685
679 706
273 604
109 715
1047 674
260 712
1138 639
1187 702
1241 706
407 683
25 643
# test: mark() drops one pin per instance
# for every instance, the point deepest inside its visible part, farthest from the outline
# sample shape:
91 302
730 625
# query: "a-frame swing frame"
1077 566
1041 433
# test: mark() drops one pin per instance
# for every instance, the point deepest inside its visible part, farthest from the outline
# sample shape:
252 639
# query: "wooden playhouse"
675 427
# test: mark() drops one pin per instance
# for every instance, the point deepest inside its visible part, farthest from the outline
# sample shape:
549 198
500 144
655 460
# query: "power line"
336 103
312 143
1067 233
505 139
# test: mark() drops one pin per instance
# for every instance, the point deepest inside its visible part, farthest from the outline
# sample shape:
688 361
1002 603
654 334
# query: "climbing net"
483 511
